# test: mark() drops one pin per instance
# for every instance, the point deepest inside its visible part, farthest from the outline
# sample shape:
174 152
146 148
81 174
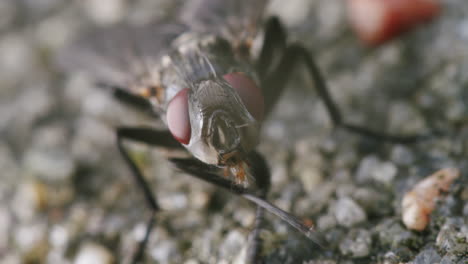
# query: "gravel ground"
66 196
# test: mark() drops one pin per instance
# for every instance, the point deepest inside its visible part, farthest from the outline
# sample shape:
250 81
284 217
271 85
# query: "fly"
198 75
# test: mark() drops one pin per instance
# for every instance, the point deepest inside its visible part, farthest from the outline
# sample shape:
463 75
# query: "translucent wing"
125 55
234 19
120 55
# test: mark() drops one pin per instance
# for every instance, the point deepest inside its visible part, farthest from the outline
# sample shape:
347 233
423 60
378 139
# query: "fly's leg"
262 176
261 173
128 98
296 53
268 62
274 43
274 82
152 137
254 240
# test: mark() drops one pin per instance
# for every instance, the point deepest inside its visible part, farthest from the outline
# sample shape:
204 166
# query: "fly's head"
218 120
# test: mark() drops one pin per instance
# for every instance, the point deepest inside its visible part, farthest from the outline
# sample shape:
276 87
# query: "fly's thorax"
220 122
221 125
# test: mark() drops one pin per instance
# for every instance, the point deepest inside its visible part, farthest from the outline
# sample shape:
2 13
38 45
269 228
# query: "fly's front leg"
262 176
260 172
274 81
155 138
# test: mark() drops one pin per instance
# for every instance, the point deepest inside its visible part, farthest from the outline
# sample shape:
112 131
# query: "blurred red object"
377 21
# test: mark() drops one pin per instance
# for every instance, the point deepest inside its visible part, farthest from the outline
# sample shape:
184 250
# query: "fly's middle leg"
152 137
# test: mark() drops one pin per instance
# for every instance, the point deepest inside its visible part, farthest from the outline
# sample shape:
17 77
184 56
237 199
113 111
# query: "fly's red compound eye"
249 92
178 119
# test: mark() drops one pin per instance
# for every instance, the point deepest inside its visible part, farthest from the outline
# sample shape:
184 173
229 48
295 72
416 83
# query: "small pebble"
366 167
174 201
5 225
453 236
308 166
29 236
465 210
401 155
316 200
105 12
30 198
326 222
310 178
11 258
49 165
8 11
92 253
371 168
59 236
19 127
392 234
385 173
92 135
452 259
391 258
17 58
245 216
164 252
427 256
191 261
37 7
356 244
292 14
9 168
348 213
373 201
320 262
232 245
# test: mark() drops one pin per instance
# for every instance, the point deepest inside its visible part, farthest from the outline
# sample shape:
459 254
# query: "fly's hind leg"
275 80
151 137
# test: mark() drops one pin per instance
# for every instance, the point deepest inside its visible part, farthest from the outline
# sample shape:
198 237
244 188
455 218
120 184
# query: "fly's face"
218 119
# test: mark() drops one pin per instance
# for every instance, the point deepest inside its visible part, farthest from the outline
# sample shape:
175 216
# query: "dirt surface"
67 197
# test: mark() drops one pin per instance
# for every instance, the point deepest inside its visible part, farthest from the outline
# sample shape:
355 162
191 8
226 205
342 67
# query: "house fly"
199 75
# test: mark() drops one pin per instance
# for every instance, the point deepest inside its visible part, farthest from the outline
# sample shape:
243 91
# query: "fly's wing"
121 55
124 55
237 20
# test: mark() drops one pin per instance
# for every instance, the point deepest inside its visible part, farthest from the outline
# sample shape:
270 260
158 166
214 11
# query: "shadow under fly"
197 73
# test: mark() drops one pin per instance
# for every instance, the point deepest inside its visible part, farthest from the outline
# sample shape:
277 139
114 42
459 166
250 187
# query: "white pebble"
105 11
91 253
348 213
30 198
